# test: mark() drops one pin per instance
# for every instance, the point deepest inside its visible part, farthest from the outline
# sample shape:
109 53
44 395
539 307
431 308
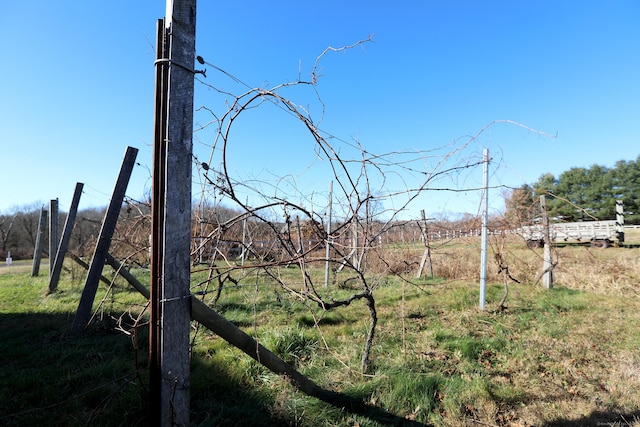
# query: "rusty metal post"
157 221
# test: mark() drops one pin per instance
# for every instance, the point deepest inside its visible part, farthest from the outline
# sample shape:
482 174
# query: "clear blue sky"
77 89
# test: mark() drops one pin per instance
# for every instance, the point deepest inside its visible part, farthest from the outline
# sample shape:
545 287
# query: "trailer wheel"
600 244
533 244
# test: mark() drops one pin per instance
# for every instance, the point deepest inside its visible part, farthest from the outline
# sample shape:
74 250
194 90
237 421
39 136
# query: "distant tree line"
19 229
580 194
215 228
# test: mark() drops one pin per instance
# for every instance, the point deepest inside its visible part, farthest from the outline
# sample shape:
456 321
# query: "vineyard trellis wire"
278 224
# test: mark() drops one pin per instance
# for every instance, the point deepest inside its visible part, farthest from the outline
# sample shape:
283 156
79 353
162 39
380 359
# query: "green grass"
555 356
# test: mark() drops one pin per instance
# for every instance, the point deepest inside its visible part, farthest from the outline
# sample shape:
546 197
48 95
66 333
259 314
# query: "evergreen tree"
626 187
583 194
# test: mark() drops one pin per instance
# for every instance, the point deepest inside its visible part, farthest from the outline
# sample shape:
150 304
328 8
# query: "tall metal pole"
328 242
547 265
485 222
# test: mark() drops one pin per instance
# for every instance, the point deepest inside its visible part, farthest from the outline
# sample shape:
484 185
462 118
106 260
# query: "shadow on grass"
328 320
599 418
50 379
101 378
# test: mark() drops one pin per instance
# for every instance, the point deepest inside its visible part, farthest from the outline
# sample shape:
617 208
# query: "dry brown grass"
632 235
614 271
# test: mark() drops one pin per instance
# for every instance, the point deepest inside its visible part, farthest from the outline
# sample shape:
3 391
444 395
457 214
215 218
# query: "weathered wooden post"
355 260
64 241
53 233
547 265
426 256
171 212
243 254
328 241
300 248
102 245
37 253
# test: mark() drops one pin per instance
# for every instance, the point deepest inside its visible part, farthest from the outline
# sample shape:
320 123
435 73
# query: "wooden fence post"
53 233
64 241
243 254
355 254
37 253
171 242
328 242
104 240
426 256
547 265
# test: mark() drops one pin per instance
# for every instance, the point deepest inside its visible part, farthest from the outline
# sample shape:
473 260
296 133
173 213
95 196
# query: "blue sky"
77 89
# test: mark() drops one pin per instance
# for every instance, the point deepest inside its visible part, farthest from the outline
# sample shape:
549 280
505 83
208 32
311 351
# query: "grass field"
568 356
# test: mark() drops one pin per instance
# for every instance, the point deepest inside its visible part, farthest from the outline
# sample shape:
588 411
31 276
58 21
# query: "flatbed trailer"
600 234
